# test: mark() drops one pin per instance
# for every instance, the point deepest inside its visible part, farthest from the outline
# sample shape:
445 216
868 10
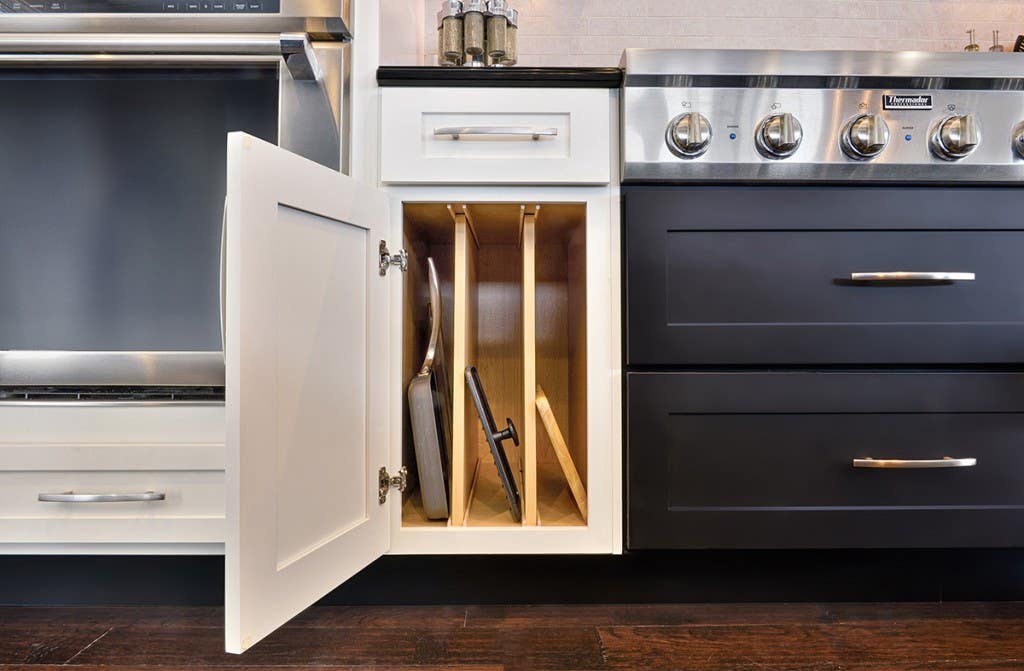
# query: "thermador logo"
918 102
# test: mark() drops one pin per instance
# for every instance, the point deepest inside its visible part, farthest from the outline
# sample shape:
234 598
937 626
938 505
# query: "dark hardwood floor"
691 637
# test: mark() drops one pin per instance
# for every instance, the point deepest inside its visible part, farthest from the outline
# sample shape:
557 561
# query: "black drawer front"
756 275
765 460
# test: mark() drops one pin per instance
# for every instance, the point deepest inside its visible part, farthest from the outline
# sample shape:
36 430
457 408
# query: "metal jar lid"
475 6
497 7
449 9
513 17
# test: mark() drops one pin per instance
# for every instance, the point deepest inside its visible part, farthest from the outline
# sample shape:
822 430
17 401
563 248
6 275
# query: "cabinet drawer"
761 275
192 511
766 460
69 423
495 146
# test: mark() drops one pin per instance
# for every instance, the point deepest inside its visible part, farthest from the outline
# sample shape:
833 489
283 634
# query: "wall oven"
113 123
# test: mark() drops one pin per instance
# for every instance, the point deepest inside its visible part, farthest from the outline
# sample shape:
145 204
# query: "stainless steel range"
823 299
820 116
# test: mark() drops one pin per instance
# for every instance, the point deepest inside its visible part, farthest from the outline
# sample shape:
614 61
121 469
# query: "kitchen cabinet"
319 344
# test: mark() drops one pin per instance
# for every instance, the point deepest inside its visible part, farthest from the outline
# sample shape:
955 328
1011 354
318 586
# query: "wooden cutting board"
579 492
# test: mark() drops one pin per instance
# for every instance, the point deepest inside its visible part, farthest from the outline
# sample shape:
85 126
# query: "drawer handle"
904 276
71 497
518 131
945 462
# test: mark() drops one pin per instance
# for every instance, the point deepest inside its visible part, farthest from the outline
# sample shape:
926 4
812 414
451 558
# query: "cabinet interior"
513 289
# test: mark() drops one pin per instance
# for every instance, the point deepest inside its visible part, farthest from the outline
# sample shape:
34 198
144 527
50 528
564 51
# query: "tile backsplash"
594 32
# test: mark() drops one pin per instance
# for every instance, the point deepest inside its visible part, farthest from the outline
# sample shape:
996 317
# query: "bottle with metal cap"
972 46
497 31
474 33
511 38
449 33
996 46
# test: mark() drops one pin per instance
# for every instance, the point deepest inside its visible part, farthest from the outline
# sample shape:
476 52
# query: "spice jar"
497 30
511 38
474 32
449 33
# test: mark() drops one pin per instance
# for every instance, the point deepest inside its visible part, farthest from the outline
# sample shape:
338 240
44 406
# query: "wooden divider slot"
513 282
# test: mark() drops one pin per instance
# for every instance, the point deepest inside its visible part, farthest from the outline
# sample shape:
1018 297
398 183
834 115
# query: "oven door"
113 171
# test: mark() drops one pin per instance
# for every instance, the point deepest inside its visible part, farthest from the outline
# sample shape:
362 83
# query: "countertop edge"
513 77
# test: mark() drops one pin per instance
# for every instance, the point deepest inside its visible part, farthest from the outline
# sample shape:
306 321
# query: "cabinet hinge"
387 481
387 259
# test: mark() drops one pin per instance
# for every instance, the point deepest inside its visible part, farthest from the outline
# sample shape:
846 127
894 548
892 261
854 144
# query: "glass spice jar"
497 30
473 32
449 33
511 38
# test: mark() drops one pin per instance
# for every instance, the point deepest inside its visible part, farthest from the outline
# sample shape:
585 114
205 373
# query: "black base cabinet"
763 367
765 459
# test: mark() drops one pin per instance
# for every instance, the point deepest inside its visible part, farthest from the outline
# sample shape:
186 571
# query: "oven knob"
689 135
1018 139
955 137
865 136
779 135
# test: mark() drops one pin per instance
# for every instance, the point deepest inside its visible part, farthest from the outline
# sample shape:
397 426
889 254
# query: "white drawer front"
75 423
572 144
192 511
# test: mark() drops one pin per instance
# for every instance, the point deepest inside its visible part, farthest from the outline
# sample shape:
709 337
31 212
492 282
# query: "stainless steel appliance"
823 306
113 123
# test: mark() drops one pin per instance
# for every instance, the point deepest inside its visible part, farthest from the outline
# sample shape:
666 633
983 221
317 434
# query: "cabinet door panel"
766 459
305 333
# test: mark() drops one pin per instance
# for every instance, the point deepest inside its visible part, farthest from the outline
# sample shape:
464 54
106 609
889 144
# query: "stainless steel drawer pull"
71 497
945 462
516 131
904 276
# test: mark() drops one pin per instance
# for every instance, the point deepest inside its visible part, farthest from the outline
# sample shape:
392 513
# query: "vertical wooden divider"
529 432
464 420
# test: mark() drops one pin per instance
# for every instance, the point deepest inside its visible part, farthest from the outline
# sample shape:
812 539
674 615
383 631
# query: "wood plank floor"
689 637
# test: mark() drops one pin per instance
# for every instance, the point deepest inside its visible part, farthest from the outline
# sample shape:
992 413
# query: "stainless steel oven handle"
945 462
907 276
514 131
71 497
161 49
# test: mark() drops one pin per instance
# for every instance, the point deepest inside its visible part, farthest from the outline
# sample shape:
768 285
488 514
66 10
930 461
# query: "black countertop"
519 77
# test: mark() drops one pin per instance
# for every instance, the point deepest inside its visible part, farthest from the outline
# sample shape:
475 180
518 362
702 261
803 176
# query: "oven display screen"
140 6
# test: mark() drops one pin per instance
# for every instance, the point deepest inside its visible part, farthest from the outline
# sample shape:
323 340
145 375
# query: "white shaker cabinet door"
304 310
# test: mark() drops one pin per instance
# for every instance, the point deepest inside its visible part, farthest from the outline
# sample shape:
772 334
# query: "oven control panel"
140 6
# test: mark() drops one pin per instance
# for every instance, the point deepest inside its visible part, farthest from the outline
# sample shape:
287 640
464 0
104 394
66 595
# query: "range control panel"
140 6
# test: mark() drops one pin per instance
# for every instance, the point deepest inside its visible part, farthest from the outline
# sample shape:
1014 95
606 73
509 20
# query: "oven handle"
161 49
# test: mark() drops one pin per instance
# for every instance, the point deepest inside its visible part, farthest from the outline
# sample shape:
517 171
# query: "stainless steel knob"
779 135
689 135
1018 139
955 137
864 137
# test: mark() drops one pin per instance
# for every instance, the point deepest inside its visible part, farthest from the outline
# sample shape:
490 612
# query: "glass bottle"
449 33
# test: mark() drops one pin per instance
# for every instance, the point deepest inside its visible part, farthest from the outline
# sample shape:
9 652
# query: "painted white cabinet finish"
305 397
48 448
495 136
283 477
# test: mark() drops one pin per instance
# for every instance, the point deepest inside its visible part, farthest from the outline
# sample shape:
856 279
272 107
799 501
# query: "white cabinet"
176 451
495 136
319 345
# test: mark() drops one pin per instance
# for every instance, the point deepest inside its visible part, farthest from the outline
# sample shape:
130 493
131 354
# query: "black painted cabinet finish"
764 459
760 275
757 371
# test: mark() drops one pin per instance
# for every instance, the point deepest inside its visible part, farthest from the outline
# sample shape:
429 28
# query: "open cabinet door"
305 373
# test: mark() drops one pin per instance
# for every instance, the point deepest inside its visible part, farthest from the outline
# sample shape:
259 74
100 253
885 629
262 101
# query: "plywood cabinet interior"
513 282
